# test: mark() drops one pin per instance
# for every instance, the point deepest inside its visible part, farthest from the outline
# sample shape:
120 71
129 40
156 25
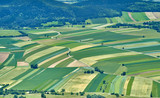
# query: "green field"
125 17
99 21
94 51
130 86
105 36
9 33
42 78
93 85
139 16
108 67
155 89
65 63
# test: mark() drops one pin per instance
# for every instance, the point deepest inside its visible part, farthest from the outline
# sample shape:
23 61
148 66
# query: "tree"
81 93
53 90
101 71
88 71
89 96
15 96
22 97
77 94
123 74
34 66
117 95
63 90
72 93
104 82
92 71
43 95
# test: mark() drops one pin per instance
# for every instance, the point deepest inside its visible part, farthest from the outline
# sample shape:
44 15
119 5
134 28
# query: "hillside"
32 13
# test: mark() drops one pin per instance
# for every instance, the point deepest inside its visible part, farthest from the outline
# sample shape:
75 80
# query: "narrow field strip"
137 45
45 32
82 47
42 53
52 58
112 88
95 58
22 78
37 74
21 44
5 70
59 86
58 62
32 49
126 85
7 78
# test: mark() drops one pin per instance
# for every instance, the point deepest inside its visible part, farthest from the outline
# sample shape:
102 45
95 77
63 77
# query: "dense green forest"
32 13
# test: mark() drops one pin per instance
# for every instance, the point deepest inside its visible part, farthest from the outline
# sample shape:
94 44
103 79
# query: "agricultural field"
9 33
94 59
41 78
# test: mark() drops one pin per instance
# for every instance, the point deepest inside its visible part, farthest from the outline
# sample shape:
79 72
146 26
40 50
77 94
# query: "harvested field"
21 44
3 56
150 15
79 82
77 63
22 64
141 87
156 14
126 85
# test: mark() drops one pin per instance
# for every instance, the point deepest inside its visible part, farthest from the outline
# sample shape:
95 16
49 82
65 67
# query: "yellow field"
42 53
77 63
154 54
87 61
53 65
21 44
78 83
126 85
21 79
82 47
52 58
136 45
156 78
45 32
4 70
99 57
150 15
32 49
141 87
7 78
